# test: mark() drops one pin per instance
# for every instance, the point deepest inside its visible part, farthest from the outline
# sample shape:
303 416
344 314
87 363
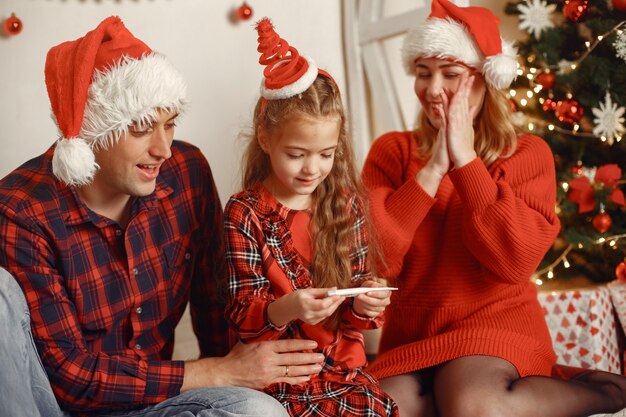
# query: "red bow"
582 192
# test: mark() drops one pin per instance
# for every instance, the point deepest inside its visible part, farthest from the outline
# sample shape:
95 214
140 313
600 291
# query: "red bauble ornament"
244 12
602 222
549 105
569 111
12 26
575 10
619 5
620 271
546 79
577 170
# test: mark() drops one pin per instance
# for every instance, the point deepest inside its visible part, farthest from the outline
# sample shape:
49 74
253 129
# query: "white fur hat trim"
449 39
295 88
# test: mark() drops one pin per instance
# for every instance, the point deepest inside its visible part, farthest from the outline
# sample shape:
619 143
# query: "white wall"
218 59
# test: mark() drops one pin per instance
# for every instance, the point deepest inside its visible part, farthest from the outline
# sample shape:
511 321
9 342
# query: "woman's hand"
439 164
311 305
373 303
460 123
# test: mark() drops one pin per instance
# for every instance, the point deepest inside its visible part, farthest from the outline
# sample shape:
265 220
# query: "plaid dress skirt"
361 397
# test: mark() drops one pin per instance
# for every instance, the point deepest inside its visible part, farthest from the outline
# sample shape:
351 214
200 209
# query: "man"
110 233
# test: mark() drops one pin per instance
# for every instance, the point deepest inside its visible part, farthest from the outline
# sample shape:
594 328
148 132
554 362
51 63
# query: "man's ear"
263 139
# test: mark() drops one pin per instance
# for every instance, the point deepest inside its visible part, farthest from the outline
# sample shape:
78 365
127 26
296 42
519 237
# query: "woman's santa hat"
98 86
286 73
465 34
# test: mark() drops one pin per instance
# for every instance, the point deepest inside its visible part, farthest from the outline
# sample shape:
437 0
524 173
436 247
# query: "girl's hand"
311 305
460 126
371 304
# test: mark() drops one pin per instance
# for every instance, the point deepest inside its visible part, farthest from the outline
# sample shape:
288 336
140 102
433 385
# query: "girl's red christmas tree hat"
286 73
99 85
469 35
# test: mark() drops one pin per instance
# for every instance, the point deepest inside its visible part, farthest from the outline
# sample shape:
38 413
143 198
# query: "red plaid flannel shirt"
264 265
104 301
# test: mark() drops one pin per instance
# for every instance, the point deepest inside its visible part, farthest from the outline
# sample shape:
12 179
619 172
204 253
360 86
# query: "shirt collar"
77 211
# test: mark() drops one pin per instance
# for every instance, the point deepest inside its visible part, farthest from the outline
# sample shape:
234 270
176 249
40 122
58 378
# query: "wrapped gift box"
583 328
618 297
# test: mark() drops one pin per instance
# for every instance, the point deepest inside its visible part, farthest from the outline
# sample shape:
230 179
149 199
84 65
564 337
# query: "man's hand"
256 365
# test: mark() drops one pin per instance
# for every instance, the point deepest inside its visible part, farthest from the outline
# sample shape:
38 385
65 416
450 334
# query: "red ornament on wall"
244 12
575 10
549 105
12 26
546 79
602 222
619 5
569 111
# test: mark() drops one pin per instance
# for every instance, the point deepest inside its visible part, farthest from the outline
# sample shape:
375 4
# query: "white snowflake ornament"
535 16
620 45
609 121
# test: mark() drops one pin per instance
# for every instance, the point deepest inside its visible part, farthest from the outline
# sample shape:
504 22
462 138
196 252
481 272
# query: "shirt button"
135 271
187 256
138 346
118 232
139 310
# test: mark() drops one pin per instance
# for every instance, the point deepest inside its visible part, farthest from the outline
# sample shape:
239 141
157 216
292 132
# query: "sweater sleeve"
249 288
397 204
510 221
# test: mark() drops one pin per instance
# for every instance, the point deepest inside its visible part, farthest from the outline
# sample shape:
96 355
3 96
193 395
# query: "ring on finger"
286 370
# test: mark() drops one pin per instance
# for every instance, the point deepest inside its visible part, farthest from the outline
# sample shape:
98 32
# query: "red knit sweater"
463 259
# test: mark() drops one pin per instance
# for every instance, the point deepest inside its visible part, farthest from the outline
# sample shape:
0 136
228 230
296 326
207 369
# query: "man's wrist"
204 372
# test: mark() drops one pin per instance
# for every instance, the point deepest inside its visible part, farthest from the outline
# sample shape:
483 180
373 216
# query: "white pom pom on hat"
100 84
469 35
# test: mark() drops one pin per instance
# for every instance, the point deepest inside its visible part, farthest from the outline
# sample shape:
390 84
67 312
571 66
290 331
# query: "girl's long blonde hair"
332 223
495 134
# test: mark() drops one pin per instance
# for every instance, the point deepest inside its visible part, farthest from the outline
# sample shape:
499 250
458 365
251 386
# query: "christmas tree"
571 90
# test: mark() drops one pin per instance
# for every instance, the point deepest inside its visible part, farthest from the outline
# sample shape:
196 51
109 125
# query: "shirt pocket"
180 256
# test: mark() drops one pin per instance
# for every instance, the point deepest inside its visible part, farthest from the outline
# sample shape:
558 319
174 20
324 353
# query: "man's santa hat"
469 35
98 86
286 73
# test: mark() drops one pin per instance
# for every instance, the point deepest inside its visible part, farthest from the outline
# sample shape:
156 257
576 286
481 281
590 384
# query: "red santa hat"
286 73
98 86
469 35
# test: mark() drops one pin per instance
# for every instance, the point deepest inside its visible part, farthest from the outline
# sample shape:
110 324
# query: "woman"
464 209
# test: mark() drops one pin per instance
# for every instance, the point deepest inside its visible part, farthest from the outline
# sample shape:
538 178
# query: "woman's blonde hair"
495 133
332 222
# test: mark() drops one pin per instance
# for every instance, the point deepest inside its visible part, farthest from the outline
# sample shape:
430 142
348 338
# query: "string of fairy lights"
531 74
525 98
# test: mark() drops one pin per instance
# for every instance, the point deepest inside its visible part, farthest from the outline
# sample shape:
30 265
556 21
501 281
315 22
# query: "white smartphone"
353 292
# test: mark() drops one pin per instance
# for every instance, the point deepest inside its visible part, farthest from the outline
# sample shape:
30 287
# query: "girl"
465 211
297 231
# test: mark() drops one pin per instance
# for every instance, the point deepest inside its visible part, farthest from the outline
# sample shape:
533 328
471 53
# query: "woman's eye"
293 156
423 75
170 125
452 75
327 155
138 133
